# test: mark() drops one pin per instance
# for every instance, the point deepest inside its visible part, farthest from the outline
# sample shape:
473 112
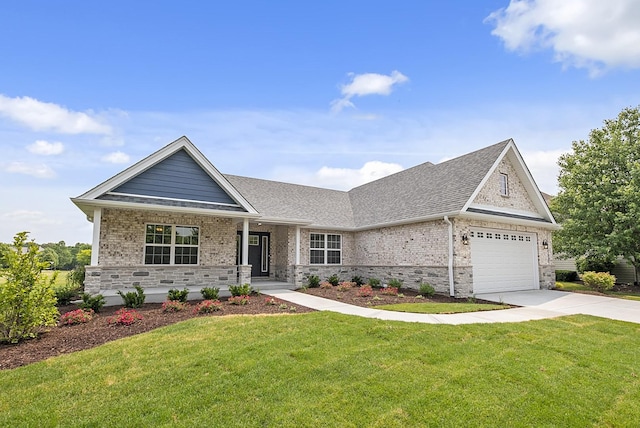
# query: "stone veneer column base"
244 274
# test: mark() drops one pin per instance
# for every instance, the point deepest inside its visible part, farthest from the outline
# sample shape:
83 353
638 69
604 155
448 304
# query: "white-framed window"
504 185
171 245
325 249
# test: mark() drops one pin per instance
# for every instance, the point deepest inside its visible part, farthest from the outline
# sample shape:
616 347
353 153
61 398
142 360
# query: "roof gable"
177 175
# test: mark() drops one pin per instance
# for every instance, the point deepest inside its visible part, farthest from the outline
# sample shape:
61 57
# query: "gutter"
452 291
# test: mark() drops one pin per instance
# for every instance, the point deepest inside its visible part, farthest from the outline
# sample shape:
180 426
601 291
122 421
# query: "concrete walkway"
535 305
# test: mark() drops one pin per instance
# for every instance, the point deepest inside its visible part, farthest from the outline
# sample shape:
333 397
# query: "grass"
439 308
576 286
327 369
61 279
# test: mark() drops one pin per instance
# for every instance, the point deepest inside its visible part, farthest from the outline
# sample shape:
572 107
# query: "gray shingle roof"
421 191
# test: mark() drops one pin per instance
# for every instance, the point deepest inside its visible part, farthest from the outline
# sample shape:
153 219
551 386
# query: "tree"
27 299
65 258
599 199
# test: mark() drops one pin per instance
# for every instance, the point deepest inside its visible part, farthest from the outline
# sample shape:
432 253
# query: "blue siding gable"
177 177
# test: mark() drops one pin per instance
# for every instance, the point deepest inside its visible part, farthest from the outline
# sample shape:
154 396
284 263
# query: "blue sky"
330 93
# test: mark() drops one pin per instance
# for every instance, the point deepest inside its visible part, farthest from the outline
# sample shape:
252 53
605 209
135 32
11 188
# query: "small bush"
210 293
76 276
374 282
396 283
124 317
344 286
426 290
270 301
178 295
95 303
133 299
207 307
325 285
365 291
358 280
174 306
389 291
566 275
239 300
599 281
334 280
313 281
79 316
240 290
65 294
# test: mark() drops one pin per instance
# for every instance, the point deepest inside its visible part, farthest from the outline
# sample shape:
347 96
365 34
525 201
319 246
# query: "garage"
503 260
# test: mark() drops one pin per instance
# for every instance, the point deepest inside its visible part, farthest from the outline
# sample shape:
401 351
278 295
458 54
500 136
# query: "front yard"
327 369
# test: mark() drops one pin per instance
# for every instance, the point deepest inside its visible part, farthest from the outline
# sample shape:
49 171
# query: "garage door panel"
503 261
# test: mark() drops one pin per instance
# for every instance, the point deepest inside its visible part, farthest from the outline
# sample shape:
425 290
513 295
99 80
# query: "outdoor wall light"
545 244
465 239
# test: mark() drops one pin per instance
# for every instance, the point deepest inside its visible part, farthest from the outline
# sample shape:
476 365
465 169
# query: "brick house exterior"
174 220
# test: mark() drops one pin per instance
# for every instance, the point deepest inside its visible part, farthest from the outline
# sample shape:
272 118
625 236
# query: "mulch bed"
67 339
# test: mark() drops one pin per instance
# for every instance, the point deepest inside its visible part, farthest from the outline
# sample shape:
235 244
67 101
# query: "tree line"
57 255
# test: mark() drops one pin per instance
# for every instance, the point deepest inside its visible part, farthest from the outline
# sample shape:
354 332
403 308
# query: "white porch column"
245 241
95 244
297 245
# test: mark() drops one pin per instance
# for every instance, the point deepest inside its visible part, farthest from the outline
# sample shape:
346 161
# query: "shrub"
78 316
374 282
27 298
207 307
426 290
358 280
124 317
396 283
600 281
174 306
239 300
65 294
594 264
389 291
313 281
365 291
178 295
326 285
95 303
210 293
133 299
76 276
333 280
344 286
566 275
270 301
240 290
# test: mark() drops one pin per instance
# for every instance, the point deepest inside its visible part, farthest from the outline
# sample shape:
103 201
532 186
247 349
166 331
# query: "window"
171 245
325 249
504 185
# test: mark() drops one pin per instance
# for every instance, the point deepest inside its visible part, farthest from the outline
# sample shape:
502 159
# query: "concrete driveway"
565 303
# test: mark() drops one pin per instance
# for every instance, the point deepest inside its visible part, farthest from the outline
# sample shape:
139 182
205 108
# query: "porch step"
159 294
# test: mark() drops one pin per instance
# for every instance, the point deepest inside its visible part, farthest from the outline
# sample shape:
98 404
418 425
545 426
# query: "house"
473 224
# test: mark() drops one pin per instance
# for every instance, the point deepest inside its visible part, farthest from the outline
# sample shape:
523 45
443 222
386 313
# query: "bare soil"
67 339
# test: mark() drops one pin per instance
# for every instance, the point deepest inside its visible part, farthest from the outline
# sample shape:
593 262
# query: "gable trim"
172 199
153 159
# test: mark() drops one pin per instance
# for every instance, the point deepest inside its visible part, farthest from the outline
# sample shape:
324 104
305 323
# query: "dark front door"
258 252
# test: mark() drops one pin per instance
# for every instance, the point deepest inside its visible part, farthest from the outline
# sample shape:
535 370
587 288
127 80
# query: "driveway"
566 303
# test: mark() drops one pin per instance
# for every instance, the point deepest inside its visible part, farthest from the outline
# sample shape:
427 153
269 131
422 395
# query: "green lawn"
61 279
440 308
576 286
327 369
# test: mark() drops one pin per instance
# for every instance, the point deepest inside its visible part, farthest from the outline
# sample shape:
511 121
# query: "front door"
258 252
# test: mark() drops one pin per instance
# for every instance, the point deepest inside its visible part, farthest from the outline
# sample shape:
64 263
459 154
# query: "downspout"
452 291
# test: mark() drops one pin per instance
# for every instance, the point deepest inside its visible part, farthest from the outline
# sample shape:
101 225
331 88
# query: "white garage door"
503 261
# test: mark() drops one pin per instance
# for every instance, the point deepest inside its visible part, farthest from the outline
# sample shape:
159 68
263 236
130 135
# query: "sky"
328 93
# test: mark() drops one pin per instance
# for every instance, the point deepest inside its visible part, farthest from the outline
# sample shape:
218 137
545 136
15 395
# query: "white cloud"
116 157
591 34
543 165
42 147
348 178
366 84
39 171
29 217
41 116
